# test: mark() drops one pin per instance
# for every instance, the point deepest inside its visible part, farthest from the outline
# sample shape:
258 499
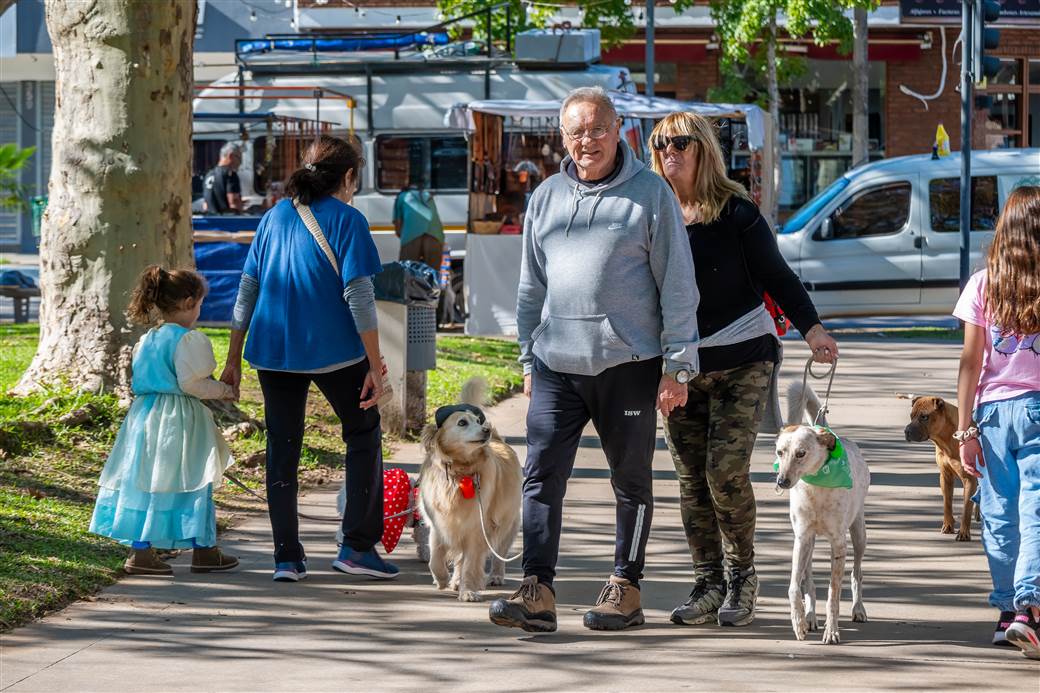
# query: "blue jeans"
1009 499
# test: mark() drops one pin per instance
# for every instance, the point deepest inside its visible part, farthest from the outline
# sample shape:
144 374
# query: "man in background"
418 225
222 190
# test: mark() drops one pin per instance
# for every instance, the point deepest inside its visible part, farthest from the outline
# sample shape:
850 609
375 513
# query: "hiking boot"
210 559
1024 633
617 607
532 607
703 603
1000 632
738 608
146 562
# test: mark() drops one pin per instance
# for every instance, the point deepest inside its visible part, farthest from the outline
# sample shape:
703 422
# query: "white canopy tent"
628 105
492 270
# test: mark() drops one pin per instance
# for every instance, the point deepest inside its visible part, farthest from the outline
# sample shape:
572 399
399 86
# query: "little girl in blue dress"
156 489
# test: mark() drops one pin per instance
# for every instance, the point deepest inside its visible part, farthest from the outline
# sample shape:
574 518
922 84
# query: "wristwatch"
682 376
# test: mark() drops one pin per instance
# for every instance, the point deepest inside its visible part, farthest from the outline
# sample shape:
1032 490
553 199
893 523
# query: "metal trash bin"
421 349
406 303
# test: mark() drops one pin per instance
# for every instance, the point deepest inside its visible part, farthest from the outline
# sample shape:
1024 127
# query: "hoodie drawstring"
575 201
592 212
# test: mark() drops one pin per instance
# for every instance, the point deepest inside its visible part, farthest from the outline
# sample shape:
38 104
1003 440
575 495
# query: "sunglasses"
680 142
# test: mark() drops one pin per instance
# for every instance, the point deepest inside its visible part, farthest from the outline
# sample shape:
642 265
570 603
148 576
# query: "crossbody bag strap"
312 225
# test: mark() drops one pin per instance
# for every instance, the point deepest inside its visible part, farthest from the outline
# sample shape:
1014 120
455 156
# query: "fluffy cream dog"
824 506
463 448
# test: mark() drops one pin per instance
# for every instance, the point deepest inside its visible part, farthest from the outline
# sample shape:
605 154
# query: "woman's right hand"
527 385
372 390
232 375
971 457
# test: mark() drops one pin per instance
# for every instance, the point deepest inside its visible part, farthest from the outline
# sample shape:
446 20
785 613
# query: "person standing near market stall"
607 289
418 225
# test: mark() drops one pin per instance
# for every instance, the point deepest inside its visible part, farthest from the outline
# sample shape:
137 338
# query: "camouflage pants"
711 440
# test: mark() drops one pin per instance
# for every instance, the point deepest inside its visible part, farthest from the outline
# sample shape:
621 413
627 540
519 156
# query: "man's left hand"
670 395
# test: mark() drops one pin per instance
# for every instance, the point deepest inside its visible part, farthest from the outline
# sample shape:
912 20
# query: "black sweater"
736 258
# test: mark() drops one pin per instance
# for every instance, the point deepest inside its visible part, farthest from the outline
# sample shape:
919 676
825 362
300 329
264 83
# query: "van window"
944 203
435 163
873 212
806 213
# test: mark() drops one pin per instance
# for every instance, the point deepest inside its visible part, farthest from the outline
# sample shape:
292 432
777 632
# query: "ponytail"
326 163
165 290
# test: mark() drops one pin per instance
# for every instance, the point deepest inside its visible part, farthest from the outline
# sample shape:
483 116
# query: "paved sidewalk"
925 594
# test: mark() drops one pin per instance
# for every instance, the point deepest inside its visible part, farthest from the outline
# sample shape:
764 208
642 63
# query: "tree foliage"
613 18
743 27
12 158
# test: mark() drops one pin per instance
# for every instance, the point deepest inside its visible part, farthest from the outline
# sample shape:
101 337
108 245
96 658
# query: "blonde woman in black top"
711 438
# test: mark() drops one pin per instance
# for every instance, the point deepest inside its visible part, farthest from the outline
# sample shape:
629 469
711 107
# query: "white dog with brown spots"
828 492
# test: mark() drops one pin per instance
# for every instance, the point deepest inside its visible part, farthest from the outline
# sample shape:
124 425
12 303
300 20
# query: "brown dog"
934 419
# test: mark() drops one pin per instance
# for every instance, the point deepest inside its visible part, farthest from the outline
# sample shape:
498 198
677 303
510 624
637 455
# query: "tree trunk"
860 85
774 115
120 182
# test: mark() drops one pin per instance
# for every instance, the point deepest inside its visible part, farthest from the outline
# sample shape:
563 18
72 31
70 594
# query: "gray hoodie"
606 276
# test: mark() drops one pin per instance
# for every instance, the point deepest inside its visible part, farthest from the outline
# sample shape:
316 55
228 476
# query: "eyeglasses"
594 133
680 142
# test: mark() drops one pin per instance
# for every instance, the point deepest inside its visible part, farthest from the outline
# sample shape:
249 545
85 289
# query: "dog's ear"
913 400
940 404
790 428
429 434
827 440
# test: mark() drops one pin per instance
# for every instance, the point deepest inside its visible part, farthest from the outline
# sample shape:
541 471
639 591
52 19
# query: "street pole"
649 48
966 97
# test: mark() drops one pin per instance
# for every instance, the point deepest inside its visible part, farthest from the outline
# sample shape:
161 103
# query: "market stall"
514 145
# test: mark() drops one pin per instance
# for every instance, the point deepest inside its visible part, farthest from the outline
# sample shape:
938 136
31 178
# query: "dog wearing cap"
469 495
828 479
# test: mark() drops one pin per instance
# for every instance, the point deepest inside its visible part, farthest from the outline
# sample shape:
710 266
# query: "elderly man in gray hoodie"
607 295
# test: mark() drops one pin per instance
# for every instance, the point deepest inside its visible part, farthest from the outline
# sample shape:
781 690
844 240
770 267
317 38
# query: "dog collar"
835 472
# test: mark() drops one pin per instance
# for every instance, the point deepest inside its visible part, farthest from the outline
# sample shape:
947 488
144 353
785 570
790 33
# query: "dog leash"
827 397
317 518
480 513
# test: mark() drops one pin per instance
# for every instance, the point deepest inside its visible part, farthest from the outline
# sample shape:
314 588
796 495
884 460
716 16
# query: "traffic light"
985 39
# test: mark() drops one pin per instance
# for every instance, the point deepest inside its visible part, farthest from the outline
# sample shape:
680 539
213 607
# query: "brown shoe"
146 562
532 607
211 559
618 606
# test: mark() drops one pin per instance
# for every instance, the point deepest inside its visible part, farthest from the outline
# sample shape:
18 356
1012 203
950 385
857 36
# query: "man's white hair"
593 95
229 148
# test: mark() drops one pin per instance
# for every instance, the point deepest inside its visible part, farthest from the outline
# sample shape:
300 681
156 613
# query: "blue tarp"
342 45
221 264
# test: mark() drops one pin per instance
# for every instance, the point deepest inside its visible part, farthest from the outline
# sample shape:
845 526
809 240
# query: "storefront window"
1008 74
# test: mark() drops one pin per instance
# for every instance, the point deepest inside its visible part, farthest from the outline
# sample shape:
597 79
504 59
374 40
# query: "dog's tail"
801 400
475 392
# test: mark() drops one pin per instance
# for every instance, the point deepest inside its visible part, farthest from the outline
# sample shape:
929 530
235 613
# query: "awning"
628 106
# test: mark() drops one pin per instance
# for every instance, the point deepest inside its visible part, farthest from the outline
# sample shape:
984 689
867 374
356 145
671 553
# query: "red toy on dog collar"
466 486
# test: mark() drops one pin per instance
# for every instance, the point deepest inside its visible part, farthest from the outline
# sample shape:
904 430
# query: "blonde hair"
712 188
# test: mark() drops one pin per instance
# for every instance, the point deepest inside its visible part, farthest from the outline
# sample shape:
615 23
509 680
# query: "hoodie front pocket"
582 345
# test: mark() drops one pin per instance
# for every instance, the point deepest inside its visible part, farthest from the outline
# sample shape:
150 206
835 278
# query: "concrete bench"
20 295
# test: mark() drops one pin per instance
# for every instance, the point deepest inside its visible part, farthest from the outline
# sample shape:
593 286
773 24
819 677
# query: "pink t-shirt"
1010 364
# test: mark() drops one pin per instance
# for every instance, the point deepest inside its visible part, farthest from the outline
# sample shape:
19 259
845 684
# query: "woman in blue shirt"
310 320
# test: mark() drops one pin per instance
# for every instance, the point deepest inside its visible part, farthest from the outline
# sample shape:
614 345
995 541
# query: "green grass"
462 358
48 472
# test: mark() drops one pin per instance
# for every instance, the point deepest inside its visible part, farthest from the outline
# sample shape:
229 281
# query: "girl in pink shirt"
999 383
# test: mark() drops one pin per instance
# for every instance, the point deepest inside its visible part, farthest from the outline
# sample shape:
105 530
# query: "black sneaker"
703 603
738 608
1000 632
1024 633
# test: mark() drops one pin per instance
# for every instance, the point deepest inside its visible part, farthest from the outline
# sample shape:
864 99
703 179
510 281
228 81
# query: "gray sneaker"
738 608
703 603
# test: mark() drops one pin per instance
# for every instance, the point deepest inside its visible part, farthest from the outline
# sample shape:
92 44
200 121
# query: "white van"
884 238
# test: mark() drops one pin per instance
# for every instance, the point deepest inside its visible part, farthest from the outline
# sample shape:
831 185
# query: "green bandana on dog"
835 472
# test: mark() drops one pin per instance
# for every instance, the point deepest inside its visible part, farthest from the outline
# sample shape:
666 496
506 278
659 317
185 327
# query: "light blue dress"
157 485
